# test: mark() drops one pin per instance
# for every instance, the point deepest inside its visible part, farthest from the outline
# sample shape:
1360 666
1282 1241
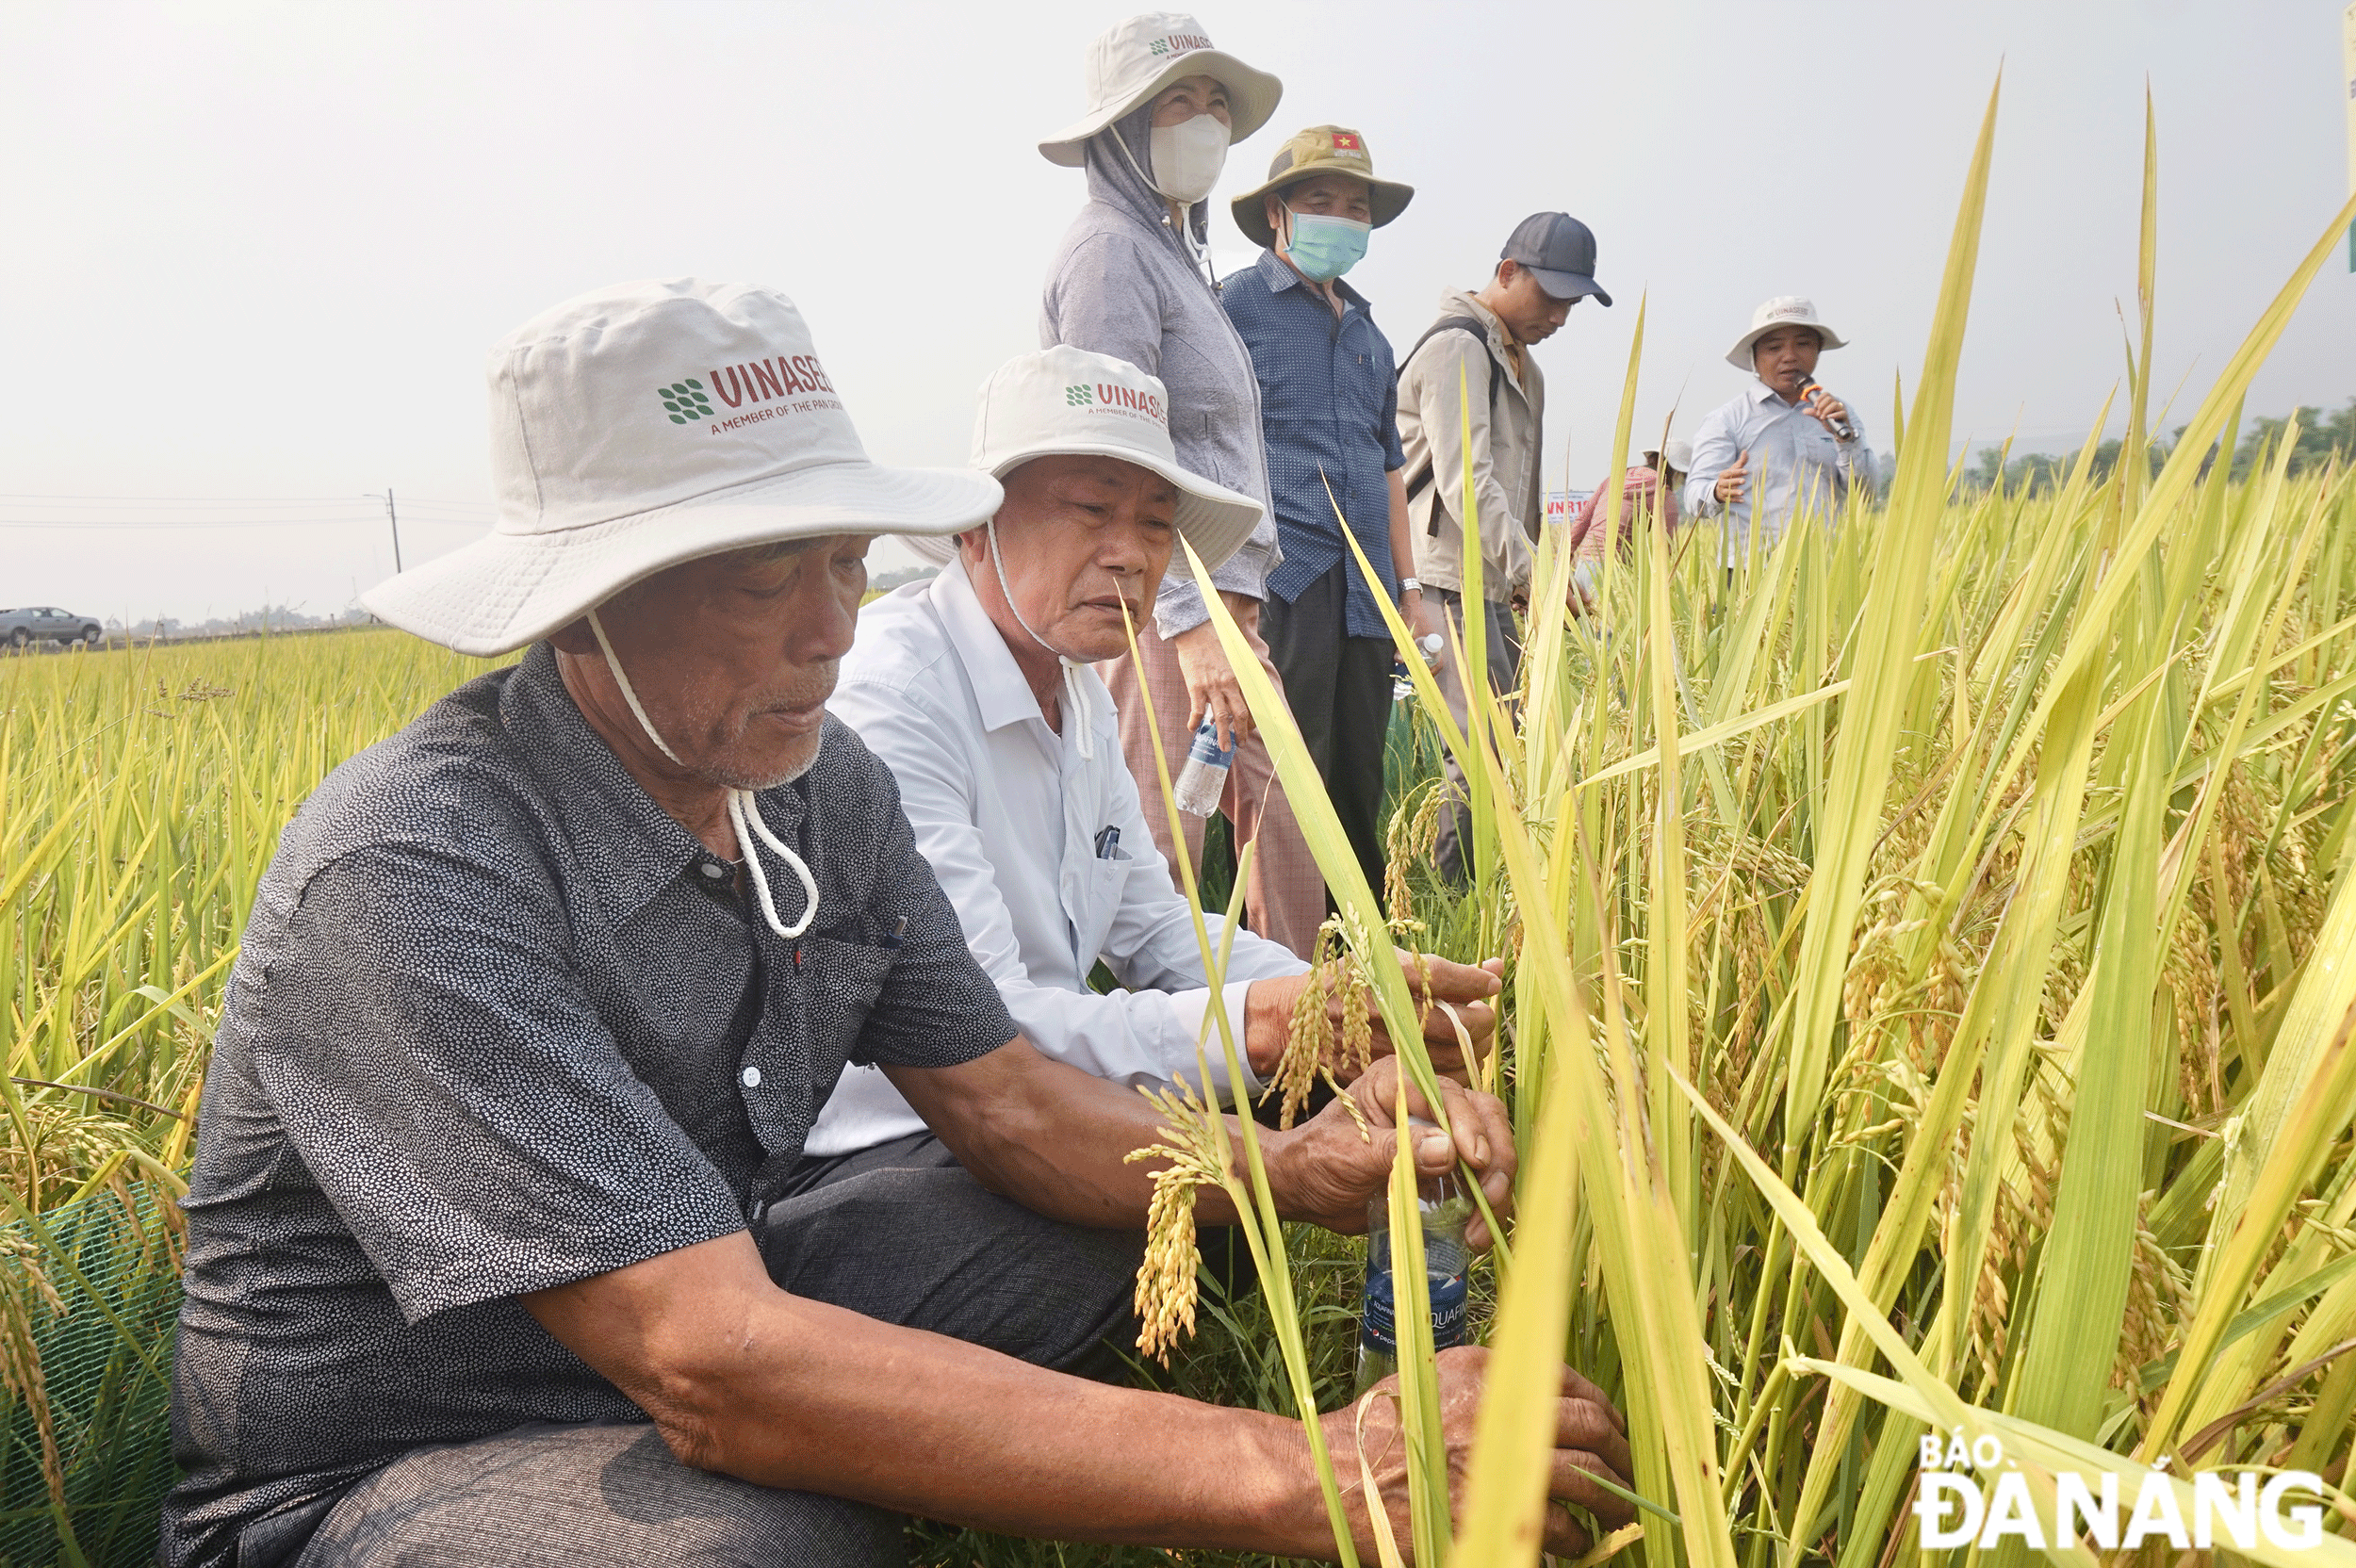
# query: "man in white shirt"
977 688
1783 444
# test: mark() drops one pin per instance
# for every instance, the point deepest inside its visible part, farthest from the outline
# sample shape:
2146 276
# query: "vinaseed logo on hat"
1110 396
1065 401
685 400
798 380
599 487
1179 44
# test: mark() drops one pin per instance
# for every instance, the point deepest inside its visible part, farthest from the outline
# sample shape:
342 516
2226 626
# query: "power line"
102 525
437 513
12 498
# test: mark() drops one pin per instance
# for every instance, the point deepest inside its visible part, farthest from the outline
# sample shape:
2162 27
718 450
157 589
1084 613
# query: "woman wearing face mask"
1329 407
1132 279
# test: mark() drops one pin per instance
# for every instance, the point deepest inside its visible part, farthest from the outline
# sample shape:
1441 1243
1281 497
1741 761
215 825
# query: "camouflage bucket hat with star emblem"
1320 150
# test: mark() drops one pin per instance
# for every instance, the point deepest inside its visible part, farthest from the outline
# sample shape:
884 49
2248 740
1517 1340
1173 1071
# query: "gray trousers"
899 1233
1451 850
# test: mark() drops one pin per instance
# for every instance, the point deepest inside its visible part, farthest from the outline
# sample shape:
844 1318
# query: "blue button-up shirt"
1329 409
1795 464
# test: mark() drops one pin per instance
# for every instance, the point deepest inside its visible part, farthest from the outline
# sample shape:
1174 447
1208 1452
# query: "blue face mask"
1325 248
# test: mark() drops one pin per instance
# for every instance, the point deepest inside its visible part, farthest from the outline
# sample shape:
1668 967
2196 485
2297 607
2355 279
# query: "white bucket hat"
1071 402
1784 310
648 424
1131 61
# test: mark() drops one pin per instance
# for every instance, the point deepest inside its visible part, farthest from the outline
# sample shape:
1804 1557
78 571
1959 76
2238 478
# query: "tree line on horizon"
2324 437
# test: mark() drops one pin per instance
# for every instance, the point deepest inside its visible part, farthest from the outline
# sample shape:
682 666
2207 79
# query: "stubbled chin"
766 767
769 778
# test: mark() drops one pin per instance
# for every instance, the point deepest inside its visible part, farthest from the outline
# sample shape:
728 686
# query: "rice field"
1935 1001
1931 1004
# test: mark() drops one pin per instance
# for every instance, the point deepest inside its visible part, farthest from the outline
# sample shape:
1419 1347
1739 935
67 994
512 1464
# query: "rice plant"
1935 974
140 796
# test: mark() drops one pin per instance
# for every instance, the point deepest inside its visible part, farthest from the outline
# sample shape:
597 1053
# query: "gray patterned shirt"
500 1024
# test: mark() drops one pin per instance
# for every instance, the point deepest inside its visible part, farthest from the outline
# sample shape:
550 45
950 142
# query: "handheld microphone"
1840 426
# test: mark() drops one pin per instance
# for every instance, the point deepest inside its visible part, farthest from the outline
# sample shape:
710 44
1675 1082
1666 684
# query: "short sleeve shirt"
500 1024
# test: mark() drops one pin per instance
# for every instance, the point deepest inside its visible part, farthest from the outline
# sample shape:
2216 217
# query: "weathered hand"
1211 683
1326 1169
1438 987
1590 1439
1441 986
1732 479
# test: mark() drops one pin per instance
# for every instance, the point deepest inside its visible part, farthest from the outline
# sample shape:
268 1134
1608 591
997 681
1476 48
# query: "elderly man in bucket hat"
1132 280
1329 394
978 689
502 1246
1782 444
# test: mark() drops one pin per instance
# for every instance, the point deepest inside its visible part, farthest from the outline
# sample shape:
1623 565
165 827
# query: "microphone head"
1841 427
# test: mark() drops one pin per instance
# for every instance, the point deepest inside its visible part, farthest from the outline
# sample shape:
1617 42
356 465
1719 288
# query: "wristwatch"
1409 585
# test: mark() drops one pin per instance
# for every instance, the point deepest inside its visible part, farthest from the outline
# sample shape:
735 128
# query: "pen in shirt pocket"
860 932
1108 842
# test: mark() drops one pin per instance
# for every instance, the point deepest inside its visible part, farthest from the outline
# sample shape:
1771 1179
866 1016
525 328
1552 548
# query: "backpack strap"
1473 324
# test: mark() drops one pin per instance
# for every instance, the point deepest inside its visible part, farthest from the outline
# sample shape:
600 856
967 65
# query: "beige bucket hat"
1131 61
647 424
1784 310
1320 150
1068 401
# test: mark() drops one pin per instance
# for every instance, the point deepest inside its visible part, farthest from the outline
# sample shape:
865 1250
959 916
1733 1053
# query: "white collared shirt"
1045 853
1794 461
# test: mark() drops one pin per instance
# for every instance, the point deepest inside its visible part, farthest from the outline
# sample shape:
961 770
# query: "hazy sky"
255 251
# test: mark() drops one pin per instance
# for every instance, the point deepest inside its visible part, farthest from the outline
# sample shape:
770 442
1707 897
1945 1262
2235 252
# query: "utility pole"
391 516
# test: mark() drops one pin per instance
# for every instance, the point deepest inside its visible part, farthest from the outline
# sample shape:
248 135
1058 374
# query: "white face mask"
1187 157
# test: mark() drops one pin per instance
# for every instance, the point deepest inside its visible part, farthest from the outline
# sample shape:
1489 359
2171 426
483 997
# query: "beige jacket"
1506 494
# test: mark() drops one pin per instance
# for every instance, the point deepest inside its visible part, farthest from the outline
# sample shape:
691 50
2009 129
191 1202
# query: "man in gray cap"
1469 385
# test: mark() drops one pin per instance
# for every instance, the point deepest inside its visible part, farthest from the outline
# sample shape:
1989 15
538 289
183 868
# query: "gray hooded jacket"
1123 284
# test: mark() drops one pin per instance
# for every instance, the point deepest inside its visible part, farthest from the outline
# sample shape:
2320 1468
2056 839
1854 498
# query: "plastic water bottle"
1203 779
1431 643
1446 1212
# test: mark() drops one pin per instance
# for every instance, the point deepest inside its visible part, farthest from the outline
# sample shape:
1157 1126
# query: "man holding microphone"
1784 442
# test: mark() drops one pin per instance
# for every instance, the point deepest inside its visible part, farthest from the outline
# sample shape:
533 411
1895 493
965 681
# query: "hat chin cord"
743 811
1075 690
1198 255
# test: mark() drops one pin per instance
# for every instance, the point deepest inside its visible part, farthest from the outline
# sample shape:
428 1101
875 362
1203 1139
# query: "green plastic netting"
88 1295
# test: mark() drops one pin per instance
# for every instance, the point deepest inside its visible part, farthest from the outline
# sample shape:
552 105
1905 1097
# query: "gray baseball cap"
1561 251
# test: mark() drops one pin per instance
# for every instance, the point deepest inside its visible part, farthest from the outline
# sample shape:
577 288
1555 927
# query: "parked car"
47 623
